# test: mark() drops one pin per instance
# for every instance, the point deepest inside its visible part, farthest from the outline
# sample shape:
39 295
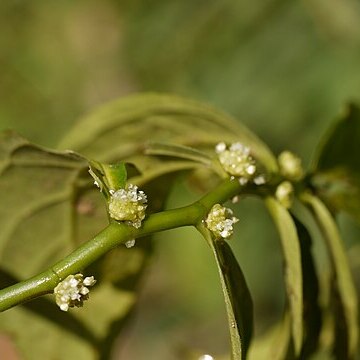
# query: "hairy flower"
220 221
285 194
237 161
290 166
73 291
128 205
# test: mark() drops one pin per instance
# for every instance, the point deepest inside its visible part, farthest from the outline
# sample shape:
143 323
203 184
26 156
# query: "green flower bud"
290 166
285 194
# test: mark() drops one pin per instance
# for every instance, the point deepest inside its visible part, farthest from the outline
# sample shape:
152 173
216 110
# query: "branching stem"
113 235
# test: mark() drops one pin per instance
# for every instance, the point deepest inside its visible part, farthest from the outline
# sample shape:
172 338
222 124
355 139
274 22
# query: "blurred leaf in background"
283 68
58 60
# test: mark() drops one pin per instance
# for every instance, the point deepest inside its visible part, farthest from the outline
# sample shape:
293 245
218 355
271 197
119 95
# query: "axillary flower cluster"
220 221
128 204
73 291
237 161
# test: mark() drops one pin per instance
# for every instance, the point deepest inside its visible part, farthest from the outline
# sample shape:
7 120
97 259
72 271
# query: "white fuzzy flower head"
220 221
73 291
290 166
128 205
237 161
285 194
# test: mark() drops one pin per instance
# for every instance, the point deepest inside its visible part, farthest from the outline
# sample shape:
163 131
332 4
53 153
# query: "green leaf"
276 343
344 288
292 267
337 164
121 128
237 296
312 310
49 207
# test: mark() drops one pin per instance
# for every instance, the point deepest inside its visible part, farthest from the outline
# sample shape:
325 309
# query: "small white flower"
89 281
243 181
251 169
128 205
130 243
285 194
235 199
237 161
205 357
260 180
220 147
220 221
73 291
290 166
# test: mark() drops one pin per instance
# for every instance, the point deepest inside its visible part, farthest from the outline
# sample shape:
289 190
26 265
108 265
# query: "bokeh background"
284 68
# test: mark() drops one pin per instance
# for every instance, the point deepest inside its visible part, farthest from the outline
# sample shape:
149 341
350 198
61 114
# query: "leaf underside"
292 268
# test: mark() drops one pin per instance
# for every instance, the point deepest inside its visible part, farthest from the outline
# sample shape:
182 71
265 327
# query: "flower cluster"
73 291
285 193
290 166
237 161
128 205
220 221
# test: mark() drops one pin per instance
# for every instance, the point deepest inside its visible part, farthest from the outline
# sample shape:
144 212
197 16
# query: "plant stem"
113 235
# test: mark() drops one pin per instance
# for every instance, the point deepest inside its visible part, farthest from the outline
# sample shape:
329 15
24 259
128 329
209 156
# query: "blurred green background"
284 68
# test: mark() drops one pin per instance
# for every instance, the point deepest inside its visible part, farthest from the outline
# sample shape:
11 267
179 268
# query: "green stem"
112 236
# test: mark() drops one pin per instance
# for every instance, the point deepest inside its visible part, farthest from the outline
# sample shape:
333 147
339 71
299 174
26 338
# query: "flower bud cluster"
128 205
73 291
290 166
220 221
237 161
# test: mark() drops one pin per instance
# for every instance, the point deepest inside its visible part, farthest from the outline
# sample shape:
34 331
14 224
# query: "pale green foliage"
62 203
